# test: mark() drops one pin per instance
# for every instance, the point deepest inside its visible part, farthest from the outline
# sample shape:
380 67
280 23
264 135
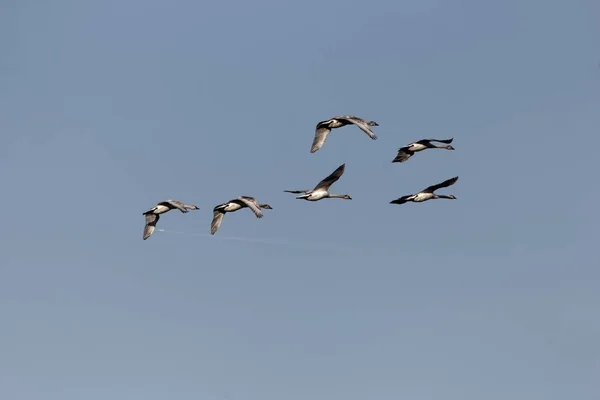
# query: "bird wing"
250 202
331 179
446 183
296 191
321 133
216 221
447 141
361 124
177 204
403 154
151 220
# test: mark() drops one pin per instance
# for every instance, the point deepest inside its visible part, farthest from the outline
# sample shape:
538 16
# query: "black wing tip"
402 156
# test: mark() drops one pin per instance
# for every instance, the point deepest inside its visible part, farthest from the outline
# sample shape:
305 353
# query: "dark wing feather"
220 207
296 191
403 154
447 141
427 142
331 179
446 183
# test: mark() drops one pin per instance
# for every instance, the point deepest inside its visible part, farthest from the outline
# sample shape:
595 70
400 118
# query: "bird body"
230 206
414 147
153 215
159 209
314 195
428 193
419 197
234 205
321 191
168 205
324 128
406 152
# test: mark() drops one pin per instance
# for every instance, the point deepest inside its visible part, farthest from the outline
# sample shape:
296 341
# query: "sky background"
108 107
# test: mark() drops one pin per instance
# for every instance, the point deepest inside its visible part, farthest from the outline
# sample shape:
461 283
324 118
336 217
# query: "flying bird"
321 191
407 152
324 128
153 215
234 205
428 193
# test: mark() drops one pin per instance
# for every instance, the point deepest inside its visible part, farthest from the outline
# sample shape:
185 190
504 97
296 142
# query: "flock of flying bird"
321 190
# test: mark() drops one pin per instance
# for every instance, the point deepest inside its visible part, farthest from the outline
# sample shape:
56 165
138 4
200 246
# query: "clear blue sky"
107 107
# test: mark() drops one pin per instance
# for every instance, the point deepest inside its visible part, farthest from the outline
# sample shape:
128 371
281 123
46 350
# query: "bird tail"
400 200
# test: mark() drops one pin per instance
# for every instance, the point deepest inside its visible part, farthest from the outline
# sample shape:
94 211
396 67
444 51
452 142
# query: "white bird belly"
160 209
422 197
417 147
314 196
232 207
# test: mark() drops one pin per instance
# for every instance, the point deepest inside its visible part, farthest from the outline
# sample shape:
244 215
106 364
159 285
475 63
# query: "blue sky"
109 107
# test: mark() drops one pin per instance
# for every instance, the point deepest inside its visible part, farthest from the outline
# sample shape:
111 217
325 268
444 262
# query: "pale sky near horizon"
107 107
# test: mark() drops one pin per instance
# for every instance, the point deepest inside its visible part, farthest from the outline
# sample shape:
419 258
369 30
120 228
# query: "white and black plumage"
153 215
321 191
428 193
324 128
234 205
406 152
